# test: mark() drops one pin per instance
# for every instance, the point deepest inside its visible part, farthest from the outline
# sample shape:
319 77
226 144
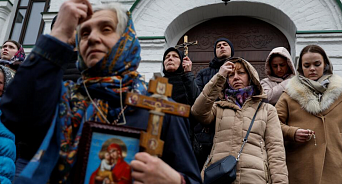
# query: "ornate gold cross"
158 106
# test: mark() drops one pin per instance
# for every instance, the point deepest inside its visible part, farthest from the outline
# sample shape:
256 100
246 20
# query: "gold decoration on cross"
158 106
186 45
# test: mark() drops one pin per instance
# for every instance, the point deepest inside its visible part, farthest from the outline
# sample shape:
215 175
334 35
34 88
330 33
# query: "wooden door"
252 38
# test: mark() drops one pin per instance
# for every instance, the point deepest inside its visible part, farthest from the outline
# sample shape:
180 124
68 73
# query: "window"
29 23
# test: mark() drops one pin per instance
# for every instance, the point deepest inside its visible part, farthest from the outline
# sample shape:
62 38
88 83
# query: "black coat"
204 75
184 88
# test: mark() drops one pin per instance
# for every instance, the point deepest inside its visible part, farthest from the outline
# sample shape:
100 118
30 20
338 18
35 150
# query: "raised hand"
187 64
226 68
71 14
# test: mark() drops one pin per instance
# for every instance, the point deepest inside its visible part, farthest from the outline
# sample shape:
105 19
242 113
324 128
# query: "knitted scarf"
239 96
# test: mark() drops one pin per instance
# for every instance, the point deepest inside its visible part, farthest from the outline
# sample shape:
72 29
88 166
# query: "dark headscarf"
175 78
216 62
180 69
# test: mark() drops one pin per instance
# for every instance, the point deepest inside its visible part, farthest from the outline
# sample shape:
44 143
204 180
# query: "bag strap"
247 134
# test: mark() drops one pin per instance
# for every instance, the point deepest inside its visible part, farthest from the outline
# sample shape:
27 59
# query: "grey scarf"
317 87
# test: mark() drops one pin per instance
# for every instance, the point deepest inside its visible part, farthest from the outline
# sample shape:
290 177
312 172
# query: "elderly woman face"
172 61
313 65
97 36
239 78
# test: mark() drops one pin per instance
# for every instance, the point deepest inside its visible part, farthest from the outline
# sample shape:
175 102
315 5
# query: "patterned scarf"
239 96
19 56
114 73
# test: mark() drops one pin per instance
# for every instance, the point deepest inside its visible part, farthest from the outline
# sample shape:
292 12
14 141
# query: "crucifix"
185 45
158 106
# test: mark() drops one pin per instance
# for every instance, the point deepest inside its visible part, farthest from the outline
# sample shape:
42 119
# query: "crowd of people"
295 137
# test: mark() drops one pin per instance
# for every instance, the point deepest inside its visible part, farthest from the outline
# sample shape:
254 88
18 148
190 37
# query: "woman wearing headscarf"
237 85
12 54
6 76
178 70
310 116
279 69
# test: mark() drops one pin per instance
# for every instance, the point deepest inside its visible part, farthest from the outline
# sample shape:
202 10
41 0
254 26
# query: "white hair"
121 14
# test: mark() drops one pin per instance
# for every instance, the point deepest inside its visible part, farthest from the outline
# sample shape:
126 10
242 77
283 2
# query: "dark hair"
15 43
313 49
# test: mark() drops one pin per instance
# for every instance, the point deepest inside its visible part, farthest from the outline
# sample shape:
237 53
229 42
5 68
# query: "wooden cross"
158 106
185 45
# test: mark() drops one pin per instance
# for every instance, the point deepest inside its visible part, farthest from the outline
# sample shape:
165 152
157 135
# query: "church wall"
313 21
314 17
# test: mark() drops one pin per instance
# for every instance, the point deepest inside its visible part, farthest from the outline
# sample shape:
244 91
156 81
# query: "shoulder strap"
249 129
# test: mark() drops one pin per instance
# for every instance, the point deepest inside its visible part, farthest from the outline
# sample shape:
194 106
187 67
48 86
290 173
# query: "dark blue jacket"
30 102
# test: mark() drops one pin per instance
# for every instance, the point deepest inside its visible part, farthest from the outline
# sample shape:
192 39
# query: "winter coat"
204 75
263 157
273 85
298 108
7 155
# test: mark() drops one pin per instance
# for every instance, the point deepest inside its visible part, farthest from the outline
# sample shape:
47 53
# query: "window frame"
28 9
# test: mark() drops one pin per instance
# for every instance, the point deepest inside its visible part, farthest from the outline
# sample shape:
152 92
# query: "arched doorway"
252 38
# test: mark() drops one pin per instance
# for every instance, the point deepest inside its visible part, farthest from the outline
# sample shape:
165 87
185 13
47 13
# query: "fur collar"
305 97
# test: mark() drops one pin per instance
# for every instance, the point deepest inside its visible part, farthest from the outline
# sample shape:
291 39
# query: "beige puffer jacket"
274 86
263 157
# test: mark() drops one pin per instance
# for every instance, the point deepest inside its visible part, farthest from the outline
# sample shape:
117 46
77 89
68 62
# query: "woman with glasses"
237 85
311 120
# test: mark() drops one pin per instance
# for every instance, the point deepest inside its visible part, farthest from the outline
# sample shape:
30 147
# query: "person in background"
310 114
12 54
237 86
204 134
279 69
178 70
223 49
7 138
6 76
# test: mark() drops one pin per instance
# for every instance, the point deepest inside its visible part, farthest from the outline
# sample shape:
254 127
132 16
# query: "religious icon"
134 99
161 87
109 152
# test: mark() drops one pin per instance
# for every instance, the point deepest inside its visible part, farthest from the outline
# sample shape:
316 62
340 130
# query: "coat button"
32 56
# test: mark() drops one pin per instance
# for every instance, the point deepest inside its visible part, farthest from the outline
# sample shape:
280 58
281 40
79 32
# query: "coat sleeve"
30 100
273 92
204 109
191 87
275 147
199 81
283 114
177 151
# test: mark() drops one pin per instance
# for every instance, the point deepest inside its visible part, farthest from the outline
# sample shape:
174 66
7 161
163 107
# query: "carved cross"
185 45
158 106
